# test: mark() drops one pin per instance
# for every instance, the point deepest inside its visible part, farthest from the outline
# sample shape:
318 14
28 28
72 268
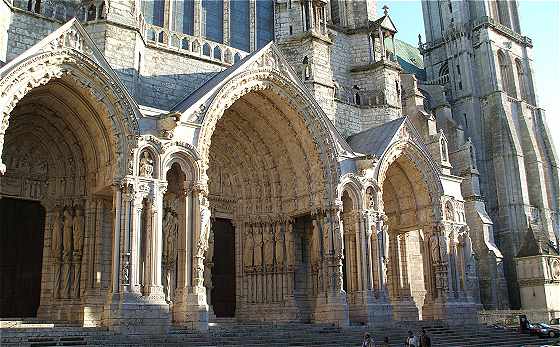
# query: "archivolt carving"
421 159
294 96
40 69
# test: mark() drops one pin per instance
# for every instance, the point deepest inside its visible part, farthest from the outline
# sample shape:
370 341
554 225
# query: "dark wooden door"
223 274
21 255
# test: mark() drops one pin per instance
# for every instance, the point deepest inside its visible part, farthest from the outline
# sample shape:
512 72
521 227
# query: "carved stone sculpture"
146 165
78 244
248 248
258 247
315 243
67 253
290 259
279 245
169 256
268 247
56 251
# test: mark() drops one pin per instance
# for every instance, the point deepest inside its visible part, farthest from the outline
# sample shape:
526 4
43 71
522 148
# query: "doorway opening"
21 256
223 272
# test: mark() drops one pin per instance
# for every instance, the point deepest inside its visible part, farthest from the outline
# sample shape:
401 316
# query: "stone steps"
231 333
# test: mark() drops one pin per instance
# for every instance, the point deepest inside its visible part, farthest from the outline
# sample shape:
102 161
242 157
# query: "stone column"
331 304
126 312
194 311
184 255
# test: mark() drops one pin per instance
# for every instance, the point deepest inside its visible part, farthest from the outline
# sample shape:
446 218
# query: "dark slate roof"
375 140
214 82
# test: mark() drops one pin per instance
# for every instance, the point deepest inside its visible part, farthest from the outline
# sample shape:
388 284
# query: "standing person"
411 340
385 342
425 339
368 341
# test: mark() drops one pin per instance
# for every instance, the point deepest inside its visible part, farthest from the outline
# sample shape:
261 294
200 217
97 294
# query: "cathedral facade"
164 163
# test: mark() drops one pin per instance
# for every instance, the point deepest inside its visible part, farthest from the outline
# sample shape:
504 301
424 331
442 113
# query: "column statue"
67 253
268 246
169 256
315 243
78 243
279 237
248 248
258 247
56 252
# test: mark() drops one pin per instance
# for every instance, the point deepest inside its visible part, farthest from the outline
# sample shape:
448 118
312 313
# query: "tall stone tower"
477 51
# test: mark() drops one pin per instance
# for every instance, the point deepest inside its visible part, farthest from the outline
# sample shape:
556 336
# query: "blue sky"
539 20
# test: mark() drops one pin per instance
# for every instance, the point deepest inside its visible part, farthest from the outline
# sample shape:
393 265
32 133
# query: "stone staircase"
231 333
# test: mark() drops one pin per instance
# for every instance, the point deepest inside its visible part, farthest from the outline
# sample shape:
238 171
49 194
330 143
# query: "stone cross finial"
386 9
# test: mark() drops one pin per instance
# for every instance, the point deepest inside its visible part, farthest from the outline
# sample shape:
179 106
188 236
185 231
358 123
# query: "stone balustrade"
192 45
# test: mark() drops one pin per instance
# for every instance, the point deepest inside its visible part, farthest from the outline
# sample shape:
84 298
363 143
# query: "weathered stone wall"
26 29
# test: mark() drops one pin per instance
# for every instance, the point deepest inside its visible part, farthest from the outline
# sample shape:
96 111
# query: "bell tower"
477 52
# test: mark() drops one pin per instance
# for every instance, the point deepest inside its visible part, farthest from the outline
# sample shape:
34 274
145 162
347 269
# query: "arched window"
206 49
153 12
444 69
91 13
183 16
213 19
357 98
506 75
265 22
239 25
101 11
521 80
217 53
306 69
444 155
236 57
503 12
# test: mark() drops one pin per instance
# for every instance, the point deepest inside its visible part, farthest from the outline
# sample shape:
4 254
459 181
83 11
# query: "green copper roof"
409 57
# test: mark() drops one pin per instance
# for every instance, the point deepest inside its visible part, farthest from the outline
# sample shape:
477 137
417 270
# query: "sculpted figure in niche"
170 231
268 250
146 165
67 253
279 245
289 244
326 239
315 243
78 241
56 251
258 247
248 248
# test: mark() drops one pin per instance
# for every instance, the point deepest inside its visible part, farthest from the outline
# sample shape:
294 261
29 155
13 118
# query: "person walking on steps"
425 339
368 341
411 340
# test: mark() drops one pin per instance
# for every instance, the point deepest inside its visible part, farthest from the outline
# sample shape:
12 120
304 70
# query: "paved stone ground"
229 333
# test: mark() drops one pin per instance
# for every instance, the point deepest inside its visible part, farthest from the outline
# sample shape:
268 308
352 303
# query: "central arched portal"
266 183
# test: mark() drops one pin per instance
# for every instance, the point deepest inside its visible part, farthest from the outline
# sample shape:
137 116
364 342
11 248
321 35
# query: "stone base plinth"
405 310
452 312
137 315
62 310
190 309
93 310
281 312
332 308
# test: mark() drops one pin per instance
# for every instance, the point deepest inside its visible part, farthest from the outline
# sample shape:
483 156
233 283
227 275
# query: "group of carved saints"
67 244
